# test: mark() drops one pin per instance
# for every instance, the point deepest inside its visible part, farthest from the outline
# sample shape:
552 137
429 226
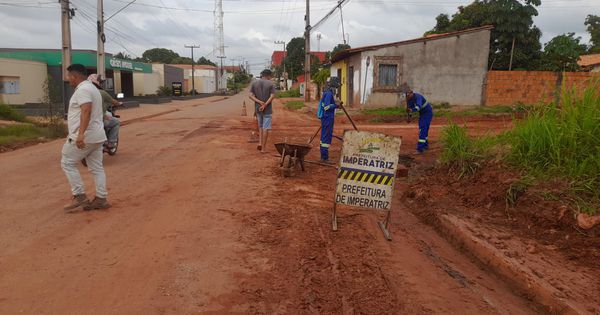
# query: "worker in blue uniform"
326 112
417 103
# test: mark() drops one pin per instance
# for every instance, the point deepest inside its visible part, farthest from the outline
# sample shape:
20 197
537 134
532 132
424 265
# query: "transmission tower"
219 37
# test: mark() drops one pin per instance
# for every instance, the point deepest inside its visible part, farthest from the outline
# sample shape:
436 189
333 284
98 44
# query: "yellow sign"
367 170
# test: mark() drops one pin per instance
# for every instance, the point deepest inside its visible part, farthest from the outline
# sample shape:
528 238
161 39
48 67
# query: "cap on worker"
404 88
267 73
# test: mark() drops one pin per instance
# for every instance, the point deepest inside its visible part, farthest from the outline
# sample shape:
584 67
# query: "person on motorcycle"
111 123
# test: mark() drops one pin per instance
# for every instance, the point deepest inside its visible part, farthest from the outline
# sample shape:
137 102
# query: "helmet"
333 83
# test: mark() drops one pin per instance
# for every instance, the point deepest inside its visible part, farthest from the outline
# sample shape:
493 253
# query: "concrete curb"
514 274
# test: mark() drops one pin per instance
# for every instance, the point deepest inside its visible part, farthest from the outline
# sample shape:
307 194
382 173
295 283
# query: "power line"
211 11
329 14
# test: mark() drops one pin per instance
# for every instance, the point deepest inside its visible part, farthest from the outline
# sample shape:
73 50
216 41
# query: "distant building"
590 63
168 74
23 72
205 78
278 56
448 67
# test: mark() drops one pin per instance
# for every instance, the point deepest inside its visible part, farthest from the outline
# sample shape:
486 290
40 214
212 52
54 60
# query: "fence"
528 87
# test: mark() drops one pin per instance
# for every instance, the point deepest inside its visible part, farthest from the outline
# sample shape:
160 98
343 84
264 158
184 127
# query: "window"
388 74
9 85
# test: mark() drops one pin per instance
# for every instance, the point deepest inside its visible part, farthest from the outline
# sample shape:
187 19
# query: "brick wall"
510 87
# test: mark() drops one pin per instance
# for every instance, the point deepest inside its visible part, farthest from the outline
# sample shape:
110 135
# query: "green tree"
338 48
315 64
562 52
205 61
442 24
161 55
294 60
512 20
122 55
593 27
320 78
182 61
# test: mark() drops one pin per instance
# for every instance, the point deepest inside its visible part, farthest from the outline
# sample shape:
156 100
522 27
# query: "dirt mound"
498 197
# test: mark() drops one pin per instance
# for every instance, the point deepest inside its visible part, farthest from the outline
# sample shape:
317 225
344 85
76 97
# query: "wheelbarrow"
292 154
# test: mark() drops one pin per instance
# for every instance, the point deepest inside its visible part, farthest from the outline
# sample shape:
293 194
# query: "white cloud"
251 26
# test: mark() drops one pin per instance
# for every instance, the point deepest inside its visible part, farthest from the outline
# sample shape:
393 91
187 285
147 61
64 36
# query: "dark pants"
425 117
326 135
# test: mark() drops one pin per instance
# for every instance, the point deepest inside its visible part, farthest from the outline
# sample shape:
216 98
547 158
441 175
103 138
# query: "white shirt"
84 93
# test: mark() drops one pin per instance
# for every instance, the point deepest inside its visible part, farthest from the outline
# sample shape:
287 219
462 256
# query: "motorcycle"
113 111
105 147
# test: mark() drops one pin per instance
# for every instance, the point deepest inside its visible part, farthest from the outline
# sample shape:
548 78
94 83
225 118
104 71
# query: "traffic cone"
244 113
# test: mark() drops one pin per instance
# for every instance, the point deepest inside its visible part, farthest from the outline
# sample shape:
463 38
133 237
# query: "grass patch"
8 113
445 110
288 94
553 141
386 111
52 129
16 133
463 153
294 105
563 140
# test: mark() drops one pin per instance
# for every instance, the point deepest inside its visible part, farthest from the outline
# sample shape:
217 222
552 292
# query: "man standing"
85 139
262 92
417 103
326 113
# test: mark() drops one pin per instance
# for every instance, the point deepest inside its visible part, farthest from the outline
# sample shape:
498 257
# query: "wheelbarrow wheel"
286 169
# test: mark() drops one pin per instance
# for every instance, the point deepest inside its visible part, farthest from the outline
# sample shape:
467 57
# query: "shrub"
8 113
290 93
164 91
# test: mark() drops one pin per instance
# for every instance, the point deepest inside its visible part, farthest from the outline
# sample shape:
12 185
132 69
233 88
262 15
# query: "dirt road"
202 223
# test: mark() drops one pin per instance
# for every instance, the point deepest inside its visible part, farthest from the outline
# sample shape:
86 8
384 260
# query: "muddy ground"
202 223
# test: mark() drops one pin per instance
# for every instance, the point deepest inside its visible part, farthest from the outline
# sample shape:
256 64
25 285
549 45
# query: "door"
127 83
350 86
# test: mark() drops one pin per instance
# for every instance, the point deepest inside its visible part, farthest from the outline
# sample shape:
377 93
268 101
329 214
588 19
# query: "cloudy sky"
250 26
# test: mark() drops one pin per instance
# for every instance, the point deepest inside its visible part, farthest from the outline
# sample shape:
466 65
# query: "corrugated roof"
589 60
349 52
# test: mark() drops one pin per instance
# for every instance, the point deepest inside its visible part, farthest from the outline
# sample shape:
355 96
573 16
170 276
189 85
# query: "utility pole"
283 61
342 18
307 51
65 18
192 48
101 66
233 71
512 51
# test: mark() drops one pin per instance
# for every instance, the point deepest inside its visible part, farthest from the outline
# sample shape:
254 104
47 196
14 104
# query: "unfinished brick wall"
528 87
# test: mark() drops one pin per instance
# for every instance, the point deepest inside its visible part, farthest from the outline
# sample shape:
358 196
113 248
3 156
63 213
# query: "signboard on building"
129 65
367 171
177 88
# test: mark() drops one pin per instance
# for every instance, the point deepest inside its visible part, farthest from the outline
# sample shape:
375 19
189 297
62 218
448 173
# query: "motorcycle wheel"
113 151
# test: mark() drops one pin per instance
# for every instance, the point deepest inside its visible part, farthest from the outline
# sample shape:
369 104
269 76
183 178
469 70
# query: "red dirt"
539 233
202 223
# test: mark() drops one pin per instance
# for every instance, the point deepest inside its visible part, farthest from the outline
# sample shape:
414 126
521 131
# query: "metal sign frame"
368 175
